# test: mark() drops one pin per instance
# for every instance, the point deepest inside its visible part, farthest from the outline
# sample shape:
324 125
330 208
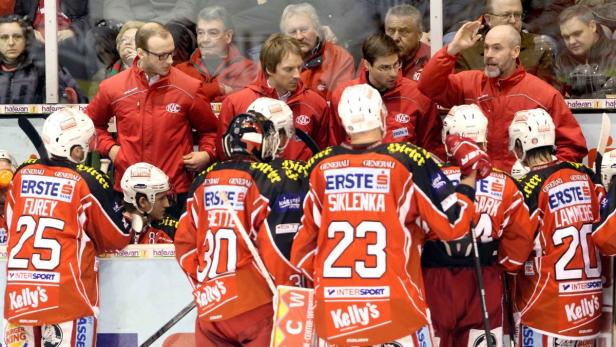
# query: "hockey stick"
160 332
482 290
604 135
33 135
251 247
307 140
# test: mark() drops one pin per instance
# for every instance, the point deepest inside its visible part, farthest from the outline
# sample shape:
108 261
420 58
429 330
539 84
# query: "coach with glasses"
536 55
155 106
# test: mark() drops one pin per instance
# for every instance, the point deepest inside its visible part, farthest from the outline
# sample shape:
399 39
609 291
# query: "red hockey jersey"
562 279
357 242
59 216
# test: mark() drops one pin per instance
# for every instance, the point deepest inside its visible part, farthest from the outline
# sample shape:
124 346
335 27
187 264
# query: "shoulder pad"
92 175
327 152
28 162
406 152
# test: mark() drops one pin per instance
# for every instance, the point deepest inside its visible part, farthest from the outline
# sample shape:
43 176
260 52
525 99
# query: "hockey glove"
468 156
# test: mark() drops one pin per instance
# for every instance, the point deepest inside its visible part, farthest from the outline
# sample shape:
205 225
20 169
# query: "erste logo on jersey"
53 188
491 186
357 180
569 194
235 195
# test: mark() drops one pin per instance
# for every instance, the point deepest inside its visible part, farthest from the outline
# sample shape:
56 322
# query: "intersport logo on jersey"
33 276
583 309
356 292
582 286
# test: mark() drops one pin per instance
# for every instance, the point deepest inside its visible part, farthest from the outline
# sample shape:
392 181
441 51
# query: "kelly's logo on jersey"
53 188
354 179
569 194
213 197
585 308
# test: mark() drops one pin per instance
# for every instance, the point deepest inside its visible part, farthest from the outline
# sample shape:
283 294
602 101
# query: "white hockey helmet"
146 179
465 120
361 109
534 128
279 113
6 155
65 129
608 167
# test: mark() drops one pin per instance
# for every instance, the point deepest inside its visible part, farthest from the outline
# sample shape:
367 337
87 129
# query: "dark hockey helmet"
251 134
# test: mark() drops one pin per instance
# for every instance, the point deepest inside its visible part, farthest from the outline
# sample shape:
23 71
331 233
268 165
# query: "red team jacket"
154 122
60 216
358 244
210 249
310 112
411 117
562 279
499 100
158 232
234 71
327 68
500 214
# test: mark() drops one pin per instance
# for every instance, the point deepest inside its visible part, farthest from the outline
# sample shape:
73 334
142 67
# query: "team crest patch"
173 108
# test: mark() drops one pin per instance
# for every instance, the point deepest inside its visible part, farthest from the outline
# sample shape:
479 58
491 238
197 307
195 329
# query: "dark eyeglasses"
161 56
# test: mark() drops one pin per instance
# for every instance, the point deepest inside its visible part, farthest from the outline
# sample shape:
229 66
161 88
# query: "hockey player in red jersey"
504 236
357 242
146 190
60 215
558 293
232 295
276 236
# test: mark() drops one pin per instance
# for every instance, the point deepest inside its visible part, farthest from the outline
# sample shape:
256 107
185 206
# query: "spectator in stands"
536 55
126 50
403 23
411 116
279 78
155 106
217 62
73 23
588 66
325 64
503 88
22 73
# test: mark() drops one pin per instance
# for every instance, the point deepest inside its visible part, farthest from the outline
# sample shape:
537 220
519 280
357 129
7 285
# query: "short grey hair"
303 8
406 10
583 13
212 13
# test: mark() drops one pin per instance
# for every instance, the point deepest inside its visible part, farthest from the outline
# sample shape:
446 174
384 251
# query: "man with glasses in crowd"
535 54
411 116
217 62
155 106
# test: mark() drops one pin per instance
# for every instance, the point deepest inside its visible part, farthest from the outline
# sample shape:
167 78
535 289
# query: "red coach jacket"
234 71
411 116
154 122
310 112
499 99
325 69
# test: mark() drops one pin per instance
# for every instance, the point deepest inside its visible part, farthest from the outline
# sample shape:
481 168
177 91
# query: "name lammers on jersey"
53 188
570 203
354 315
357 189
585 308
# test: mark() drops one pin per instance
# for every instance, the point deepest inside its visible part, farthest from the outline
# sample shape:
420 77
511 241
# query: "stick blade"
604 133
